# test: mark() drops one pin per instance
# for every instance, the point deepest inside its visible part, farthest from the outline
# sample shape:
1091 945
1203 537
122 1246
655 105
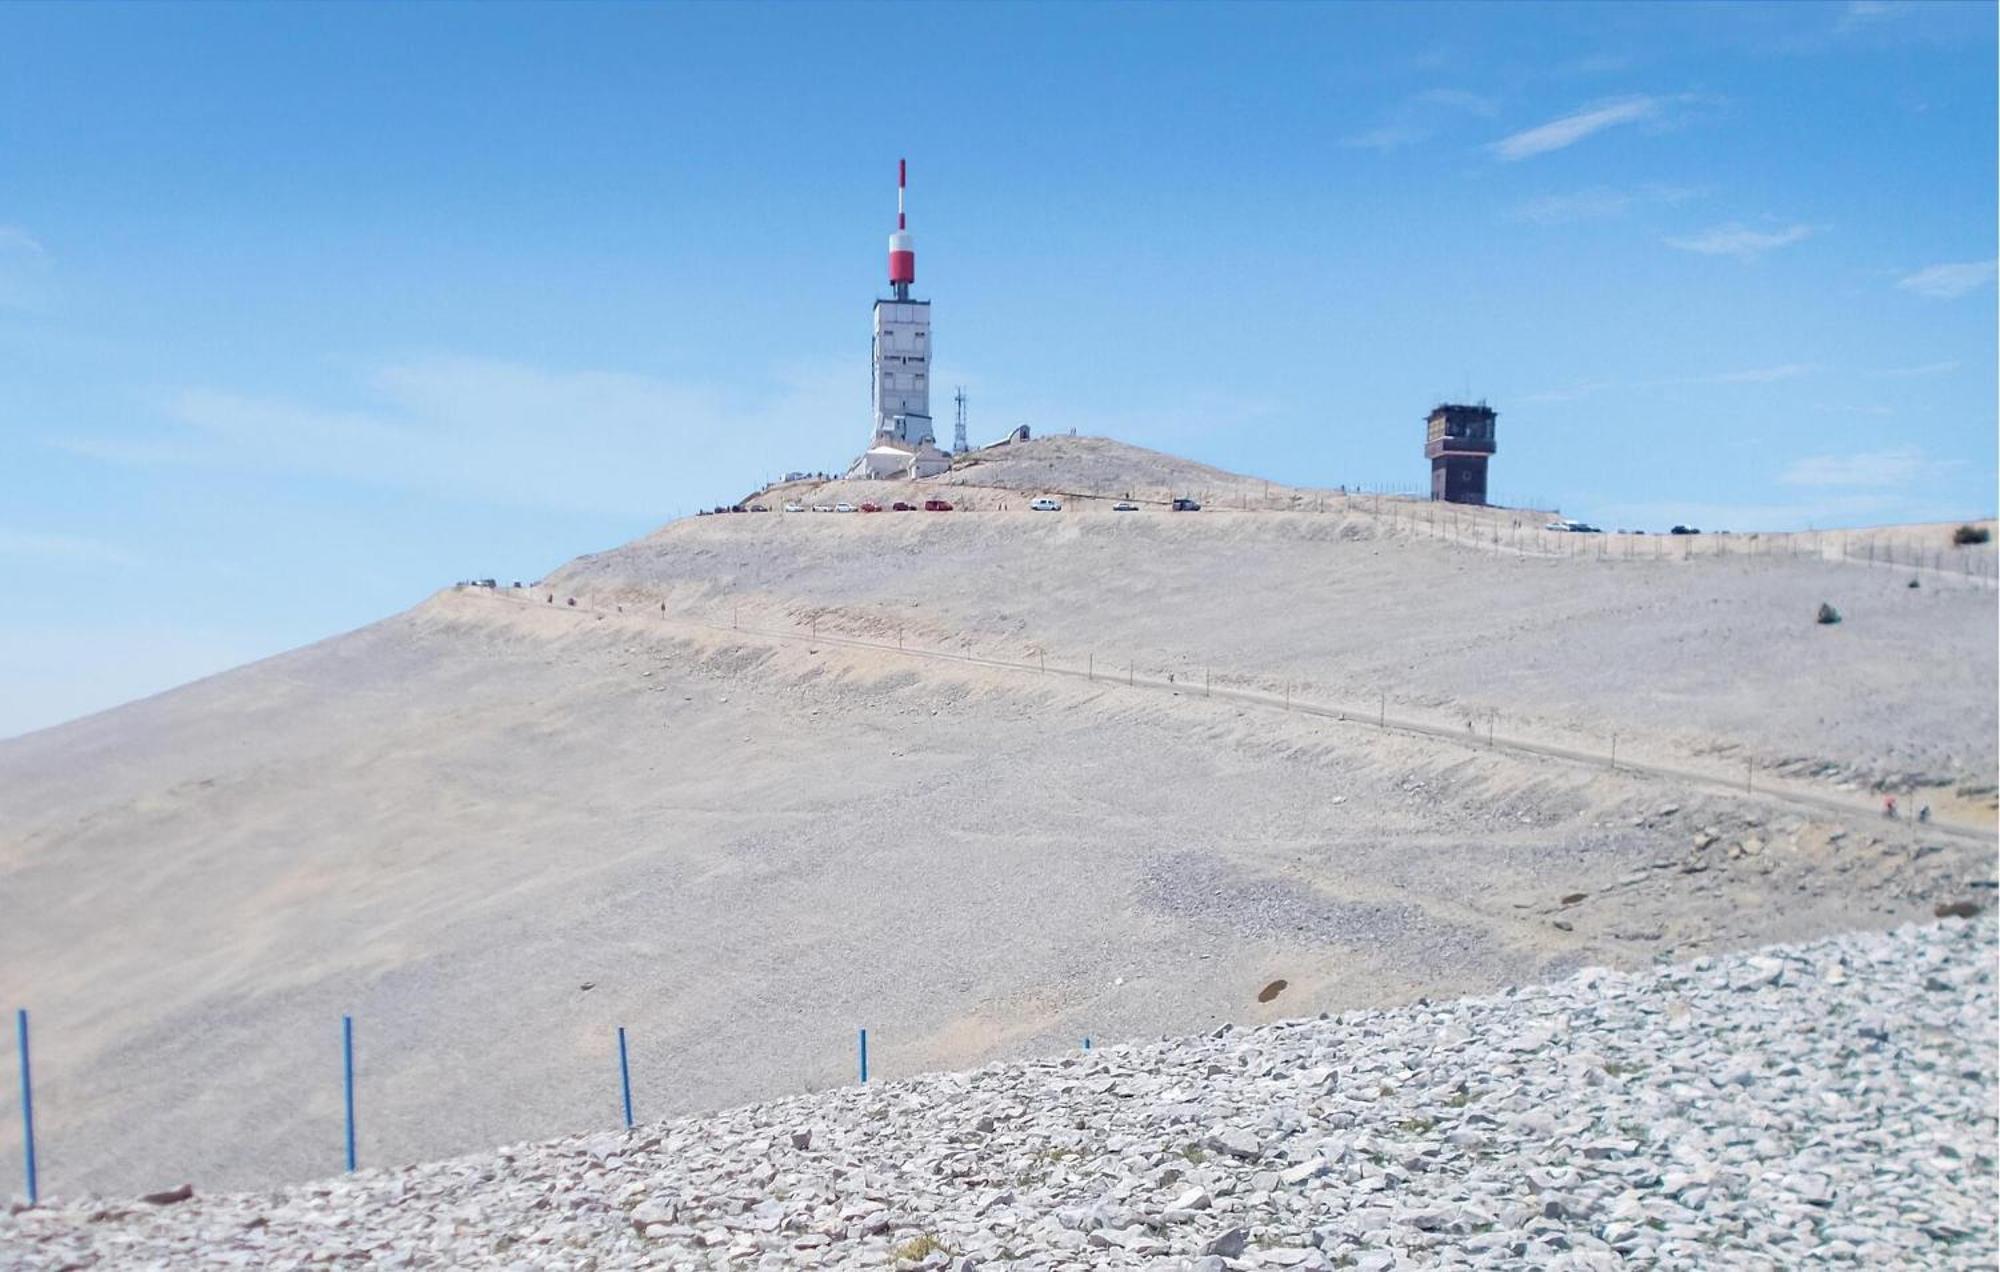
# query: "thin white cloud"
1866 13
1949 281
509 434
1597 203
1583 205
1599 64
1387 137
1751 375
1572 128
1572 393
1456 99
1874 470
1742 242
15 239
1928 368
24 268
62 547
1758 375
1418 118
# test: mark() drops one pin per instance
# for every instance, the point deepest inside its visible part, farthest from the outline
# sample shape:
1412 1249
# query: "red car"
900 506
871 507
936 505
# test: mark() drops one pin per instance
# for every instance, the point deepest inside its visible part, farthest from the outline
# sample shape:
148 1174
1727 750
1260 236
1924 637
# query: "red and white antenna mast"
902 248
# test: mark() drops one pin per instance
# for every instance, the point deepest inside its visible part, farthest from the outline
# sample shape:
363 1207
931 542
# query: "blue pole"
625 1076
864 1055
1086 1044
347 1063
27 1106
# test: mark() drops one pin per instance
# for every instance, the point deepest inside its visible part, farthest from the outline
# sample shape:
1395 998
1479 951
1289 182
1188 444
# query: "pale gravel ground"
1715 656
450 822
1829 1102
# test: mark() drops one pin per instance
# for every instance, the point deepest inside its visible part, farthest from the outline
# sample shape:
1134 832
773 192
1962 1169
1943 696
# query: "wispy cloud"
1597 204
24 265
62 547
1872 470
1456 99
506 433
1751 375
1742 242
15 239
1599 64
1928 368
1757 375
1572 128
1950 281
1419 117
1572 393
1387 137
1866 13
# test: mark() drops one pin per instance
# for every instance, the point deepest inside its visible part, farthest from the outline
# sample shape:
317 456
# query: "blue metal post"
27 1106
864 1055
625 1076
1086 1044
347 1063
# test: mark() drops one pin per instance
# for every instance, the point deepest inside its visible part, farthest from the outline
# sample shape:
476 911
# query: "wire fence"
353 1075
1476 727
1523 530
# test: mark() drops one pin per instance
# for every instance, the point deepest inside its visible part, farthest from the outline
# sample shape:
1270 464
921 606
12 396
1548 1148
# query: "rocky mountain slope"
1831 1101
776 777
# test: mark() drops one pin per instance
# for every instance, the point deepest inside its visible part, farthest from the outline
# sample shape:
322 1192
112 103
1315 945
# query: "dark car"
900 506
871 507
1683 530
936 505
1186 505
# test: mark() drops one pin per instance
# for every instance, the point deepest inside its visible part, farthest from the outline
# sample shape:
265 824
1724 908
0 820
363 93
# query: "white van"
1044 504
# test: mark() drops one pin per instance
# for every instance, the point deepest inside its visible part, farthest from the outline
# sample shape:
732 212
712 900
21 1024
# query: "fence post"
1382 720
27 1107
864 1056
1090 667
1614 752
625 1077
347 1067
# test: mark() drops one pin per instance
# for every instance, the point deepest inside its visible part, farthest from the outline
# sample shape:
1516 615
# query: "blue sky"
307 310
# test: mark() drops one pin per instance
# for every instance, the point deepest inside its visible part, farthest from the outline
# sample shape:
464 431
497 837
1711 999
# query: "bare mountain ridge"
749 841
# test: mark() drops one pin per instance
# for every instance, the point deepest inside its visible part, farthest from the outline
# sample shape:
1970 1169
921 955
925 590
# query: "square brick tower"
1458 443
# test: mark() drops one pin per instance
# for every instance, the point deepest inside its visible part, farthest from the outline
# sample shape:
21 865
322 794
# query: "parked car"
900 506
1044 504
759 508
871 507
1683 530
1572 527
843 507
792 507
1186 505
822 507
1124 505
936 505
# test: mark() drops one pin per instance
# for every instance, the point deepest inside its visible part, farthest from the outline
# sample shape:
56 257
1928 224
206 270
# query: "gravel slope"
494 830
1825 1102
